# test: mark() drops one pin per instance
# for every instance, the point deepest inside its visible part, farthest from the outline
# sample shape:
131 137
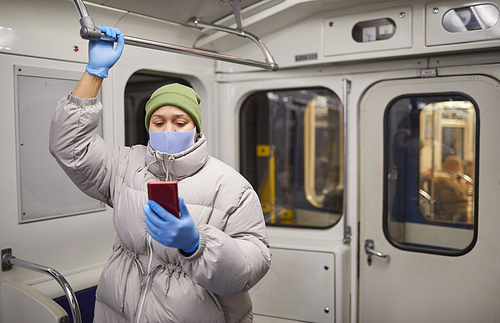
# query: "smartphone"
165 194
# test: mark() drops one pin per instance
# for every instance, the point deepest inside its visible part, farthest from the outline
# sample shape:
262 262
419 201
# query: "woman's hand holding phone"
169 230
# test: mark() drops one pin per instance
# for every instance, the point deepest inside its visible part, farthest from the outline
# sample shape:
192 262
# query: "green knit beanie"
178 95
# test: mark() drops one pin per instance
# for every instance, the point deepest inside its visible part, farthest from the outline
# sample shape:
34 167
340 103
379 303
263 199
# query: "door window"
430 166
292 153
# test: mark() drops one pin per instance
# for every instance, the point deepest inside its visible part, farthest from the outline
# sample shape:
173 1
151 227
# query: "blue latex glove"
102 54
169 230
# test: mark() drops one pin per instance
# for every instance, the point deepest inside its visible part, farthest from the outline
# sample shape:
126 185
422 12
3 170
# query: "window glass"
292 153
431 169
476 17
374 30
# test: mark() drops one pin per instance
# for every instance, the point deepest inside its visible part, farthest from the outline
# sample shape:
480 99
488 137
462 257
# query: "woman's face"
170 118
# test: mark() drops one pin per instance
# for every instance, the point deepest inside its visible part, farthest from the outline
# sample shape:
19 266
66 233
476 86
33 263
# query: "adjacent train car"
368 128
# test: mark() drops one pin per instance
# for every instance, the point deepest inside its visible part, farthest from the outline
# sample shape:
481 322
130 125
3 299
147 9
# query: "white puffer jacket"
144 281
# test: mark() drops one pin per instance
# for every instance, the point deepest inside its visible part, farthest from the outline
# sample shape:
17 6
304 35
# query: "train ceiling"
260 17
180 11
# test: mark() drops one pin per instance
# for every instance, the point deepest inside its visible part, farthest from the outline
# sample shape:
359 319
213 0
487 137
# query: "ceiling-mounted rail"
88 31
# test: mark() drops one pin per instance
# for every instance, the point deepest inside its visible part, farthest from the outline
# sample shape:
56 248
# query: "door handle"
369 245
369 249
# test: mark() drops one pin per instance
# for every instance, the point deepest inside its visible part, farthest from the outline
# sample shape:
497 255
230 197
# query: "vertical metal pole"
346 89
235 5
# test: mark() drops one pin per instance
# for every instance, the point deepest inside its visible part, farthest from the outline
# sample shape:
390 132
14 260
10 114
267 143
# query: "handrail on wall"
88 31
8 260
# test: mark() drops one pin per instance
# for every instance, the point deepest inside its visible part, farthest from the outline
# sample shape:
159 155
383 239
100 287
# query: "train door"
429 200
291 146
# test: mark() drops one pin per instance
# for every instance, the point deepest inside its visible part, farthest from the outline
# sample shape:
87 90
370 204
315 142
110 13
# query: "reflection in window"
430 167
292 153
449 170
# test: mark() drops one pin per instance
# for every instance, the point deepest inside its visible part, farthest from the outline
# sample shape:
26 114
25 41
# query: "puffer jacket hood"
143 280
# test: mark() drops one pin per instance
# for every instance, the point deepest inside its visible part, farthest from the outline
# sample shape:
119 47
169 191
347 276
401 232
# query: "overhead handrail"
8 260
88 31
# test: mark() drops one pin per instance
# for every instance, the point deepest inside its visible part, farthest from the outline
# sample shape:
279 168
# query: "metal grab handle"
270 63
369 245
8 260
197 52
88 31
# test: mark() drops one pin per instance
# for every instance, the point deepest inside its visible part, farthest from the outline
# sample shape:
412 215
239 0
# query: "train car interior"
368 128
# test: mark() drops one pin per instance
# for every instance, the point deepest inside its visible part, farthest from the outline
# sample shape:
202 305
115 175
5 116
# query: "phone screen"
165 194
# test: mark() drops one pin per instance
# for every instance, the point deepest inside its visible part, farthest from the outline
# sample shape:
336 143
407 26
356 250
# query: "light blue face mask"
170 141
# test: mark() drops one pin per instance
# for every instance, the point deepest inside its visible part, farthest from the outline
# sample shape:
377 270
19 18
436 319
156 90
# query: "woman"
162 269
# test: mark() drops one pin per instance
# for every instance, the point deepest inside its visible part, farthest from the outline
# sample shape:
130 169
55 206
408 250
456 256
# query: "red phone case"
165 194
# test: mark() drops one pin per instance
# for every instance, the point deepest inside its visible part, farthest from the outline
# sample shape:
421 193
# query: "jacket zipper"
146 287
150 260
